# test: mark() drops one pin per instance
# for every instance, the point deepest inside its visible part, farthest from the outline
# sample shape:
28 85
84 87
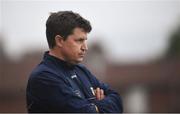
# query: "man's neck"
54 53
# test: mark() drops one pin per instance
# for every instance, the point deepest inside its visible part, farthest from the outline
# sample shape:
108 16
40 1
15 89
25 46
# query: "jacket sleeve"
112 103
46 94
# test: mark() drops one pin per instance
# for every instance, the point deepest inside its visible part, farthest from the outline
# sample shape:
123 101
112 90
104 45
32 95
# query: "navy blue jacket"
55 86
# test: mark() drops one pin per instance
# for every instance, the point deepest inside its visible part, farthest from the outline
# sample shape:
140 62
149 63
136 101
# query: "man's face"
74 47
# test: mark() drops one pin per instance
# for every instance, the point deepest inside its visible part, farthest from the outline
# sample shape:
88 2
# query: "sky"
129 30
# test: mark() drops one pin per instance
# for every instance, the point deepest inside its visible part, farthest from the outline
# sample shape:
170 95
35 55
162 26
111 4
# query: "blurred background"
134 47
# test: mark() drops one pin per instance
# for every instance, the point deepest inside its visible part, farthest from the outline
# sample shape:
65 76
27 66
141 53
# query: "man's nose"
84 46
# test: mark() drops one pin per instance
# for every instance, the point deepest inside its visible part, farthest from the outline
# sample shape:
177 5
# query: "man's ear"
59 40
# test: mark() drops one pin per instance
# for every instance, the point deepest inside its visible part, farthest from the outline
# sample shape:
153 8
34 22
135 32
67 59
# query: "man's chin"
80 60
77 61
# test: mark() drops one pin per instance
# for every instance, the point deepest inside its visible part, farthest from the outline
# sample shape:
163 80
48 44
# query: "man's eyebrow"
82 38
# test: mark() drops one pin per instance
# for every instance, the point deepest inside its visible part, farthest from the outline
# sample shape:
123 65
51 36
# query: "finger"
98 94
102 94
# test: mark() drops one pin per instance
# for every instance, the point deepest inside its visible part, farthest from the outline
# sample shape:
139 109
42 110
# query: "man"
59 83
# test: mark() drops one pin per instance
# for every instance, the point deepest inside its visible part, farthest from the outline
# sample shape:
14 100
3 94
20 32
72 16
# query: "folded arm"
45 94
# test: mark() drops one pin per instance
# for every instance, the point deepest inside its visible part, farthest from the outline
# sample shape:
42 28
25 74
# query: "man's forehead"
80 34
79 30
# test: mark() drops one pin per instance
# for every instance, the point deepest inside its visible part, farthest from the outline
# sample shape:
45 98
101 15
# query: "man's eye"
80 41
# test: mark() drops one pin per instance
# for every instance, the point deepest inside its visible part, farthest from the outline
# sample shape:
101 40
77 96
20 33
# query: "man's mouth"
82 55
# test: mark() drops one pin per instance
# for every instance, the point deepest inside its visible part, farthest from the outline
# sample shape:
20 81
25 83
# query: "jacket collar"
56 61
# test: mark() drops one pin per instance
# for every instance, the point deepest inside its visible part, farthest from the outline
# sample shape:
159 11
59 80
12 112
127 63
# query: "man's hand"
99 93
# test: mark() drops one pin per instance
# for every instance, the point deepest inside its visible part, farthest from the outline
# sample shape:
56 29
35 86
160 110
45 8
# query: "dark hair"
63 23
